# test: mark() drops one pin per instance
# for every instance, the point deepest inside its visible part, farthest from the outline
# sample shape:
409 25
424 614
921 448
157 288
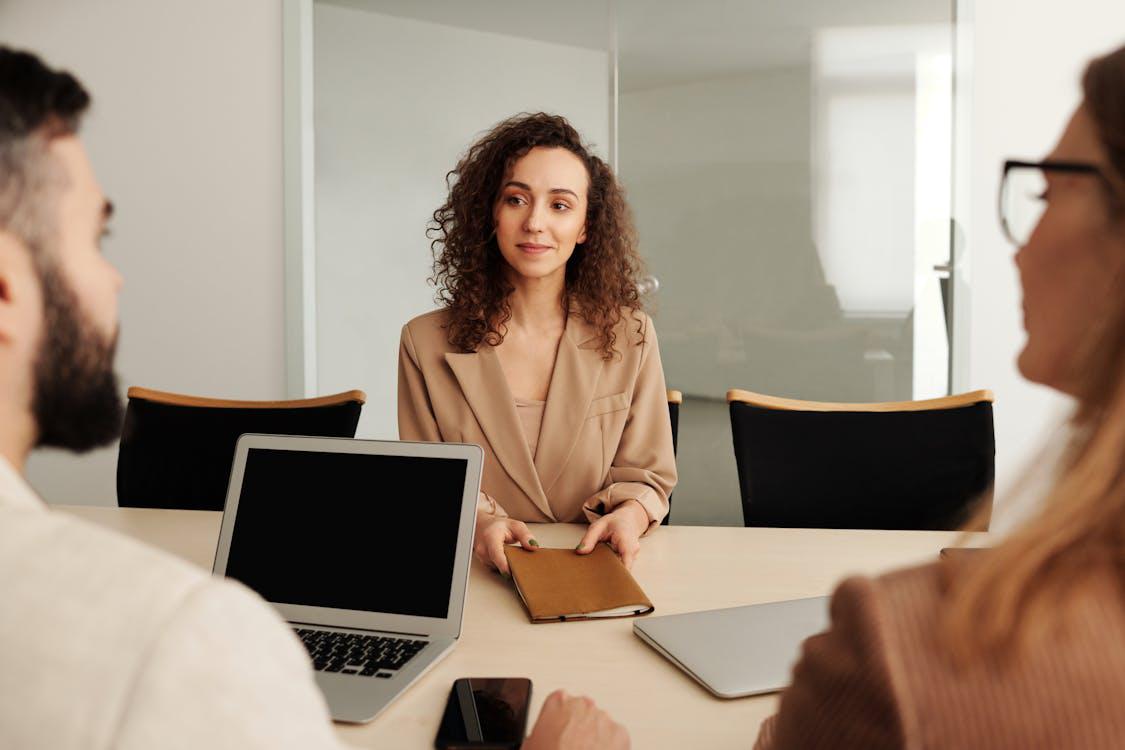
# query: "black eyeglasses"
1022 191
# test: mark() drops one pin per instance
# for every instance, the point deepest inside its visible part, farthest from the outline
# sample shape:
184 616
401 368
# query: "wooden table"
681 568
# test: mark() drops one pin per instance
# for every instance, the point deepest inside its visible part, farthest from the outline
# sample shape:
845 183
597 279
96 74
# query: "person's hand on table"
575 723
493 533
622 528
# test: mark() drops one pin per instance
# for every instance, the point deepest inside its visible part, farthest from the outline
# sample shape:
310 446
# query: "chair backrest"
901 465
675 398
176 451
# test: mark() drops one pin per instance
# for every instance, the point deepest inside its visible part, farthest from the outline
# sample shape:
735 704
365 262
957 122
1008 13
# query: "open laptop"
363 546
739 651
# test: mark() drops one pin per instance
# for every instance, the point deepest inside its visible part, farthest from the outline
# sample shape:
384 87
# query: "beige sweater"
879 677
107 643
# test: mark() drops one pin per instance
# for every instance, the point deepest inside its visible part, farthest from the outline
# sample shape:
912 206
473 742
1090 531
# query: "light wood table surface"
681 568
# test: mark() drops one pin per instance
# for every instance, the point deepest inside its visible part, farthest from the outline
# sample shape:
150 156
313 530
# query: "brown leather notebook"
557 584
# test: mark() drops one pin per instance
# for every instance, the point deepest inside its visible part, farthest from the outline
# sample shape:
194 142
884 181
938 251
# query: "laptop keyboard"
355 653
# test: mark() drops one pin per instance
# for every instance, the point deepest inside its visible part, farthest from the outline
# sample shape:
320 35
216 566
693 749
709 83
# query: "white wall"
397 102
1027 58
185 135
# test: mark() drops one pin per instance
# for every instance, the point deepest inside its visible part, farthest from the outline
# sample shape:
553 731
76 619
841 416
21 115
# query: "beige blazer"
108 643
880 677
606 437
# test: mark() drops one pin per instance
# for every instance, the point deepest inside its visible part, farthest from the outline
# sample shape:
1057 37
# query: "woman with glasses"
1022 645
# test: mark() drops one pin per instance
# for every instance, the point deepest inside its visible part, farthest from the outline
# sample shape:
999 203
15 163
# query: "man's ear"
15 263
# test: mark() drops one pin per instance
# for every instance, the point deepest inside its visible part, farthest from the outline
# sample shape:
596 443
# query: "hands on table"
621 529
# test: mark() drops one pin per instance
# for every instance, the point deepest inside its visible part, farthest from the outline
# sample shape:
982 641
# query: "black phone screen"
485 712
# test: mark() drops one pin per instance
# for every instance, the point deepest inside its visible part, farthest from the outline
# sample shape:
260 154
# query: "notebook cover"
557 584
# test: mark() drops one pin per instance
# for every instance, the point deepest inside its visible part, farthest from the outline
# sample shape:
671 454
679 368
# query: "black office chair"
904 465
176 451
675 398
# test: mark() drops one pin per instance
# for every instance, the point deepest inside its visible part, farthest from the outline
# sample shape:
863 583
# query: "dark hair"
32 96
601 275
36 105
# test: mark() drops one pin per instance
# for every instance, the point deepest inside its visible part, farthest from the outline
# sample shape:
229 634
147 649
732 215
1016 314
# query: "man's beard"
76 403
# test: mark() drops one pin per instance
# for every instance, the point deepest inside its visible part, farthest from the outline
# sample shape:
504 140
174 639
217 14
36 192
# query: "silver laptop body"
739 651
317 527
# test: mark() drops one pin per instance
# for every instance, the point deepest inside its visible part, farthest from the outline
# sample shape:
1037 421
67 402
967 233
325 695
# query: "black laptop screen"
349 530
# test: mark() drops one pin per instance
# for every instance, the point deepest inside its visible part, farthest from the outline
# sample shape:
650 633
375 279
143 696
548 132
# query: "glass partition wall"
789 166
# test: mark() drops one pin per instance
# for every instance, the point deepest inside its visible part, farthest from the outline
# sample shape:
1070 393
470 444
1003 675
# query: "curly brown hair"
601 275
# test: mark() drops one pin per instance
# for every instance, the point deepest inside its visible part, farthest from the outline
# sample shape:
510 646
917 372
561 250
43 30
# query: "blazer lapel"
486 389
577 369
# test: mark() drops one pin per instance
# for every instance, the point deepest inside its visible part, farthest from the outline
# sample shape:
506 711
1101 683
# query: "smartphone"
485 713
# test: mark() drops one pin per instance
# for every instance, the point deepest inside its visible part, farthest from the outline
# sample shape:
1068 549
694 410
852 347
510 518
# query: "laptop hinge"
364 630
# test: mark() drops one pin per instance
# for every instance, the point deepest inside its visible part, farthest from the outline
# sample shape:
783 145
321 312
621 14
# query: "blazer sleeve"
842 693
644 465
416 420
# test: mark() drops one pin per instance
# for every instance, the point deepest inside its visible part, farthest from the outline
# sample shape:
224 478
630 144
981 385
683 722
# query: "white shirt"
108 643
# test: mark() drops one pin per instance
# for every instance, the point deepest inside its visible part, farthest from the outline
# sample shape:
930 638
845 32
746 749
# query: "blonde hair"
1021 590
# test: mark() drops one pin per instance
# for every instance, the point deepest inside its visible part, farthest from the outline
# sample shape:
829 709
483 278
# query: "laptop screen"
355 531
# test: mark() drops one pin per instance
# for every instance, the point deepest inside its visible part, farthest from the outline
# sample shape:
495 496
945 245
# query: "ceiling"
665 42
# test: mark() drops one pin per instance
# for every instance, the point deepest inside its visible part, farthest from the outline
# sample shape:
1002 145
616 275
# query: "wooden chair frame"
763 401
179 399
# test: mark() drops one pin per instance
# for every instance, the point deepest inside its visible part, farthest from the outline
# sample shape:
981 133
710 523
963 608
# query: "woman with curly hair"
542 353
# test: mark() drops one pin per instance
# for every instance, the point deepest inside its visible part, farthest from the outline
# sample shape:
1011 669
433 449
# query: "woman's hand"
567 723
493 533
622 529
